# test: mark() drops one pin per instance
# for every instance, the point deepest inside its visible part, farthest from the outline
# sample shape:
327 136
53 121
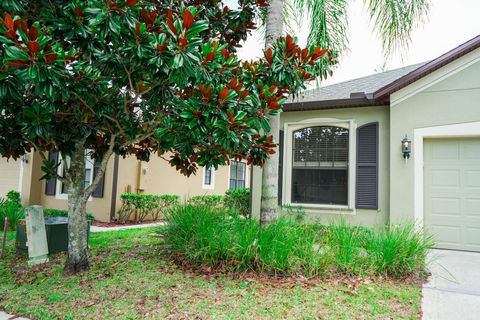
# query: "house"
122 175
402 145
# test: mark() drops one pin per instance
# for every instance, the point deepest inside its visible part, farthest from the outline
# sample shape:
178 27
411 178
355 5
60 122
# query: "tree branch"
103 166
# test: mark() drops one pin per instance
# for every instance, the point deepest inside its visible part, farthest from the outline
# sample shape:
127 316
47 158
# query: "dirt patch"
127 223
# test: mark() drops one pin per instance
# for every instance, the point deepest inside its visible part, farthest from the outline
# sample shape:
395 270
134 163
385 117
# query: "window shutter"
98 192
367 167
280 167
51 184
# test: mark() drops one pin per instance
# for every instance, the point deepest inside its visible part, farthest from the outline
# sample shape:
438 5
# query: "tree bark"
77 258
269 204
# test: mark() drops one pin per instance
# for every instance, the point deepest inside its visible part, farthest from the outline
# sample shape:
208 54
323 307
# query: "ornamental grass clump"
391 250
11 208
204 236
398 250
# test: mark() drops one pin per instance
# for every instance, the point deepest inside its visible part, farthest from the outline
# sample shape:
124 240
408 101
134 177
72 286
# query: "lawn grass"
131 278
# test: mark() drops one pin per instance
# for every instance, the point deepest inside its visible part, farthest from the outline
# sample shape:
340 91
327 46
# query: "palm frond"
328 23
394 21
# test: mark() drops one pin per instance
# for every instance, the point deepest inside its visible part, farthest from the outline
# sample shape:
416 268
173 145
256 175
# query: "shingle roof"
375 90
367 85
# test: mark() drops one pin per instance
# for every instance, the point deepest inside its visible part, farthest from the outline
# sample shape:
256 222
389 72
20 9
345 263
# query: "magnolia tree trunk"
269 205
77 259
78 194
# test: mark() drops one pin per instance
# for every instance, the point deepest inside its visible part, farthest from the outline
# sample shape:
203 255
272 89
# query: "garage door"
452 192
9 174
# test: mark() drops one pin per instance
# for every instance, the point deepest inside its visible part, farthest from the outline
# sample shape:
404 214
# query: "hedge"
138 206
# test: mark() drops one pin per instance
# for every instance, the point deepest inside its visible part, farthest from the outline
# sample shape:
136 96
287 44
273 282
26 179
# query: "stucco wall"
9 175
360 116
158 177
450 95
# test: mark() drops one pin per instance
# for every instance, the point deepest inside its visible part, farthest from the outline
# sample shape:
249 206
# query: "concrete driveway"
453 290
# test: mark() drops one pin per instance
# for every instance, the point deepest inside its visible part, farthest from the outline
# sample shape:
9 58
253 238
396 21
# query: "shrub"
13 210
203 235
52 213
212 201
138 206
238 200
14 197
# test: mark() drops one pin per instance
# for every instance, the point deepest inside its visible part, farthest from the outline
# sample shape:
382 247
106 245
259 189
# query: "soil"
112 224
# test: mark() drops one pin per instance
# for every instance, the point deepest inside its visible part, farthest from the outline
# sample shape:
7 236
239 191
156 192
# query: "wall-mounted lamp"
406 147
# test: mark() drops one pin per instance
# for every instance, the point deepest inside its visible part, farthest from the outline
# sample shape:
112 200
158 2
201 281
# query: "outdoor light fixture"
406 148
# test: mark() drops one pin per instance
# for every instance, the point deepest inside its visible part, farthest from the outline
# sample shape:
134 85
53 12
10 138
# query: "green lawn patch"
131 277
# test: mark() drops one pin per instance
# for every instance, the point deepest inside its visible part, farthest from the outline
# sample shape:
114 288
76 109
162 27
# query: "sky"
449 24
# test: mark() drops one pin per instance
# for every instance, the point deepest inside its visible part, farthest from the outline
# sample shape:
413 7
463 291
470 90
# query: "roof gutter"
357 99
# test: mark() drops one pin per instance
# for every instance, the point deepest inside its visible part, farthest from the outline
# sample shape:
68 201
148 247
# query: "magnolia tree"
96 77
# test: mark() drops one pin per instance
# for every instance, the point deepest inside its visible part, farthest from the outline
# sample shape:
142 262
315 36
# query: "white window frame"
88 165
212 179
289 128
247 174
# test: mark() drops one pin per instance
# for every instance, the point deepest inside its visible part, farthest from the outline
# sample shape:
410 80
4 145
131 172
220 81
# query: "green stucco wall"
360 116
454 98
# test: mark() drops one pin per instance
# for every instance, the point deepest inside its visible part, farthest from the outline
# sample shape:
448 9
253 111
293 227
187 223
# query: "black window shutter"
367 167
98 192
51 184
280 167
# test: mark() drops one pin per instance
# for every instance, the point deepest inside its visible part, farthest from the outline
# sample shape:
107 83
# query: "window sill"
323 208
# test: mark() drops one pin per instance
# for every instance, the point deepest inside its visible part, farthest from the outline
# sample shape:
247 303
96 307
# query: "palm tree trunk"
269 205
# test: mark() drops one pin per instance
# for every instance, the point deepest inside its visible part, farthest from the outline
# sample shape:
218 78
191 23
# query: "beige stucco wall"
450 95
153 177
158 177
360 117
9 175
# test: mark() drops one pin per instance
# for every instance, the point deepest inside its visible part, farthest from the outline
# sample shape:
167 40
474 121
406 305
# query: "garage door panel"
472 208
446 206
471 150
445 178
448 150
472 179
452 192
471 237
446 235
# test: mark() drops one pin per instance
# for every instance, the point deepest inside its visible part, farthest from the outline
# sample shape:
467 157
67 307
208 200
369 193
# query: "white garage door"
452 192
9 175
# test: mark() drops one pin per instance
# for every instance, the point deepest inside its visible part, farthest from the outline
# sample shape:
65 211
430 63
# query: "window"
89 171
208 178
320 165
237 174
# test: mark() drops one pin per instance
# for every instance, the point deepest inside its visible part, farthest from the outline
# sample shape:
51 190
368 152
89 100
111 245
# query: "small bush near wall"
207 237
51 213
138 206
238 200
212 201
11 207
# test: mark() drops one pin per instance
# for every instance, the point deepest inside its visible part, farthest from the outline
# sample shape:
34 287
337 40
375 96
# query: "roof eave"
427 68
331 104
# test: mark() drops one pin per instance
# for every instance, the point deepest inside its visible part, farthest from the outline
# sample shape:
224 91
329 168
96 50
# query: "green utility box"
57 235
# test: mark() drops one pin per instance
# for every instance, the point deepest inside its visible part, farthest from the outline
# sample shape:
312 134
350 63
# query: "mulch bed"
112 224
